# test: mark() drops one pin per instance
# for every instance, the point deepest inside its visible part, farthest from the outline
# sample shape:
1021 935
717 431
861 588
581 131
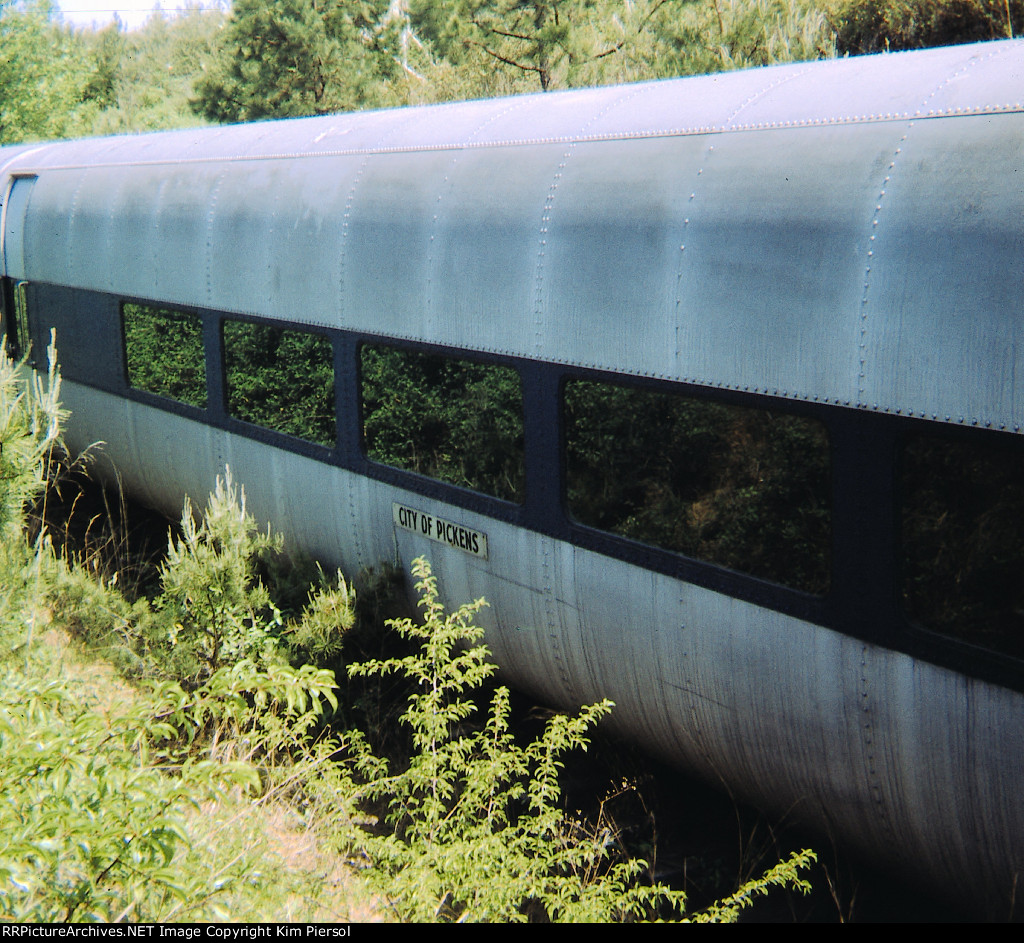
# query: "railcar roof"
981 78
843 231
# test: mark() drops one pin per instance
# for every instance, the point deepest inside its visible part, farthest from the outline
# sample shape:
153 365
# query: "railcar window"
454 420
21 322
963 541
164 353
7 337
742 488
14 318
280 379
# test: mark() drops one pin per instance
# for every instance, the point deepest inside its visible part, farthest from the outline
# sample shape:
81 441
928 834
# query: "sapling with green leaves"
476 831
218 611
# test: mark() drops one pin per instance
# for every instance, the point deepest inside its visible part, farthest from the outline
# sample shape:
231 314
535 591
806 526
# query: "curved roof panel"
845 231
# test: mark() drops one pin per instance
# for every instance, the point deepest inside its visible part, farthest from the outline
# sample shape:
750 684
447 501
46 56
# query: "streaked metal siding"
943 299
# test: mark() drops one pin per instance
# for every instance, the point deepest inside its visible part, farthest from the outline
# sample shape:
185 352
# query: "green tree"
740 487
164 353
46 77
865 26
546 43
718 35
286 58
157 66
106 48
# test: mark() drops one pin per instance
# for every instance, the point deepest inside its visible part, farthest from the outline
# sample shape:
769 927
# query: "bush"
87 832
217 602
475 830
30 428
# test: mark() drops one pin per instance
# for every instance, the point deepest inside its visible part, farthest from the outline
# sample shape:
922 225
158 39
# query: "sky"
132 13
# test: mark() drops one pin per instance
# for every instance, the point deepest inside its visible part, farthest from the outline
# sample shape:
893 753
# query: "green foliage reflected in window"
455 420
742 488
963 541
281 380
164 353
20 324
14 326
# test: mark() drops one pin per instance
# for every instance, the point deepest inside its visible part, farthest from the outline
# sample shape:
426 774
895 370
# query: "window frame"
700 397
977 440
184 313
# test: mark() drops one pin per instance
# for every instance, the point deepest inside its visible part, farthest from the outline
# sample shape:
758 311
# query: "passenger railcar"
713 387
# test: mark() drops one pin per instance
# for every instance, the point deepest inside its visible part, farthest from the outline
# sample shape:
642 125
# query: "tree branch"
625 39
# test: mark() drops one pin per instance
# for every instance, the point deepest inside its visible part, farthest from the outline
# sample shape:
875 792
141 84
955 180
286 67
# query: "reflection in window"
14 318
164 353
281 380
963 541
742 488
455 420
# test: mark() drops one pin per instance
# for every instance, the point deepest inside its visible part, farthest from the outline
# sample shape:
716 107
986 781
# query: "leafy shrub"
741 487
215 611
699 38
475 829
98 811
282 380
214 608
87 832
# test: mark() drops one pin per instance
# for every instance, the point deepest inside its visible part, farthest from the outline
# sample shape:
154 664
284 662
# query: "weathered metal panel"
160 456
436 250
772 707
292 223
388 247
944 284
769 284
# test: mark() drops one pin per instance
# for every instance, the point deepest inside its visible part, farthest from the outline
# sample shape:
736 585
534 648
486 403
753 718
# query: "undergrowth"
476 830
115 808
125 810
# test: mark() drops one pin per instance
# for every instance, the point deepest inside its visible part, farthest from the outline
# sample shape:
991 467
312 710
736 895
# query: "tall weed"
475 829
30 429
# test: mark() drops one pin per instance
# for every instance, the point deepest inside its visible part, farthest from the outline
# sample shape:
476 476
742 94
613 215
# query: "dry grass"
300 877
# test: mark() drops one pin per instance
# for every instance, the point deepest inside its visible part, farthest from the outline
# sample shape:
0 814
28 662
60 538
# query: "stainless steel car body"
844 233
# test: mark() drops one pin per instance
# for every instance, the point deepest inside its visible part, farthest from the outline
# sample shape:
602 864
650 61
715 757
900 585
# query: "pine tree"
285 58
